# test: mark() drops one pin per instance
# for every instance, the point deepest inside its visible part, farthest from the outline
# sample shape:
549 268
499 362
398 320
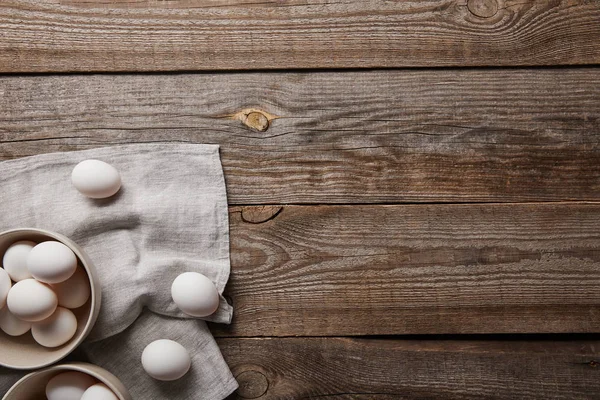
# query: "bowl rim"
95 371
95 290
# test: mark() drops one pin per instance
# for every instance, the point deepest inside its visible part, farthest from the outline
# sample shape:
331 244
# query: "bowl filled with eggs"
69 381
49 297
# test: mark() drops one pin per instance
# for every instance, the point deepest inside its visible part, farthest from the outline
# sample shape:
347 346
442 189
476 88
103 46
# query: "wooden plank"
125 35
422 269
353 137
343 368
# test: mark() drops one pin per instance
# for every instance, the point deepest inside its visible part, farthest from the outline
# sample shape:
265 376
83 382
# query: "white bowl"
33 386
22 352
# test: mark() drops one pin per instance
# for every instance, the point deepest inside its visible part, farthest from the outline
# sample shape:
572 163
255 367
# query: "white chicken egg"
12 325
166 360
5 285
75 291
195 294
96 179
31 300
55 330
68 386
14 260
51 262
99 391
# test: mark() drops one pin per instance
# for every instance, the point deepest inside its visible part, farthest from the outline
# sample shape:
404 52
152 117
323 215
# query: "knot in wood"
260 214
257 120
253 384
254 118
483 8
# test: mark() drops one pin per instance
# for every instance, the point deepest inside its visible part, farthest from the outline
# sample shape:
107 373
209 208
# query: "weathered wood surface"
416 269
344 368
351 137
128 35
525 135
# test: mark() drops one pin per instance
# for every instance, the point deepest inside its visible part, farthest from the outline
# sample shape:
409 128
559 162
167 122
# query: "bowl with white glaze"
33 386
23 352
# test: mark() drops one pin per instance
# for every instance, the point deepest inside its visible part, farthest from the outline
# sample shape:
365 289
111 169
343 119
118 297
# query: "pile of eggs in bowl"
40 283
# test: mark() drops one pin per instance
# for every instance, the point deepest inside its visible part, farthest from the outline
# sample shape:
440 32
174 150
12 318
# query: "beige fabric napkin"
169 217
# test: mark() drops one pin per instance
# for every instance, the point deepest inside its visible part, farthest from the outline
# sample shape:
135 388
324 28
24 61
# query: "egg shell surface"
99 391
75 291
12 325
51 262
68 386
55 330
96 179
195 294
166 360
14 260
5 285
31 300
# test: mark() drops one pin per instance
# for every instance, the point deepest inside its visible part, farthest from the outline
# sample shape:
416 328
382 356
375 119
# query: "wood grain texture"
422 269
343 368
351 137
132 35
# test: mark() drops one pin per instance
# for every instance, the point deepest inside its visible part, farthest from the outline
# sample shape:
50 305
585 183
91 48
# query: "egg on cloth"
195 294
96 179
99 391
5 285
75 291
68 386
14 260
51 262
12 325
31 300
55 330
166 360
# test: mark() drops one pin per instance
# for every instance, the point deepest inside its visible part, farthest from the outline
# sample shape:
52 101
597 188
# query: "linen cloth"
169 217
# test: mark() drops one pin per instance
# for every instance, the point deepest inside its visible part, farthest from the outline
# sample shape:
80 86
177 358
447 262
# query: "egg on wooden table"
166 360
195 294
99 391
5 285
51 262
14 260
96 179
75 291
55 330
68 386
31 300
12 325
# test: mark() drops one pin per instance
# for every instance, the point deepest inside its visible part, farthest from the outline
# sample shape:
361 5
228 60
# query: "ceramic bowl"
22 352
33 386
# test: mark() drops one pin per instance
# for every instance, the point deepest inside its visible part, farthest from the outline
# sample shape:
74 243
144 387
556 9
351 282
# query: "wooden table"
414 185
